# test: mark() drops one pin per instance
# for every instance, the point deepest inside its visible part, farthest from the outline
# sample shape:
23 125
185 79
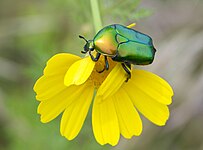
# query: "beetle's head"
89 46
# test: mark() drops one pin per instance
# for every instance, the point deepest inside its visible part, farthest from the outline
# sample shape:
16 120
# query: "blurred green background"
33 31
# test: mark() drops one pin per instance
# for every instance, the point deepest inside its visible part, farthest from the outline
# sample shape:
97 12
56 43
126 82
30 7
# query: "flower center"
100 73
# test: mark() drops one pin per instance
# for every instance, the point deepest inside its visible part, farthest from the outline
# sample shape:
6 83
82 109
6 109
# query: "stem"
96 15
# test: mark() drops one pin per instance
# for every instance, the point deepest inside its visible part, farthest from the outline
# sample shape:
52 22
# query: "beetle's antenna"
82 37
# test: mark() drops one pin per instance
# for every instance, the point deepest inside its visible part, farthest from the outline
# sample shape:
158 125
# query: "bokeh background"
33 31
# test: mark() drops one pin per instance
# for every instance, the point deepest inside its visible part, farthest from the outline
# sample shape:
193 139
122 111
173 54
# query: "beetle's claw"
128 77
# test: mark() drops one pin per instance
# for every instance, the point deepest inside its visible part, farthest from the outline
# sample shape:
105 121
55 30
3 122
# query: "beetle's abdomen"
138 49
105 41
135 53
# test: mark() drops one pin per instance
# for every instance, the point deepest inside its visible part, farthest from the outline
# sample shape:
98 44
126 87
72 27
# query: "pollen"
100 73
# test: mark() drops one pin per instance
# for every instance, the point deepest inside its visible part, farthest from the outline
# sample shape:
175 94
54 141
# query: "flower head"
68 86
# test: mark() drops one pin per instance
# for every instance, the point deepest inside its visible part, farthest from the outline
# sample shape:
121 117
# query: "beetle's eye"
91 49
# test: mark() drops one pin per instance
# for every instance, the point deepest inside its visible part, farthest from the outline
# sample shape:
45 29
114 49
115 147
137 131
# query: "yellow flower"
69 83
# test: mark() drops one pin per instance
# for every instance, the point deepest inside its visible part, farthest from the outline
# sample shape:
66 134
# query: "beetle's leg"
128 65
94 58
127 68
106 63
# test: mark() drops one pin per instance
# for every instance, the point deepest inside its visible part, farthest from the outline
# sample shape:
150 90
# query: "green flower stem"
96 15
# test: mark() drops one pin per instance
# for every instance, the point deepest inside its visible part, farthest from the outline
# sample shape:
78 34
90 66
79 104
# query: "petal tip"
69 137
43 120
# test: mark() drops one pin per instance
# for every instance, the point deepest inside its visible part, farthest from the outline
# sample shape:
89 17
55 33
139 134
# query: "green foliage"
124 11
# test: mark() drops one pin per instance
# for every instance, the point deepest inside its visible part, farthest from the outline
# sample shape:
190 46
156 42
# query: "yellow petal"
51 83
131 25
53 106
128 117
60 63
48 86
79 72
74 115
153 86
112 83
153 110
105 122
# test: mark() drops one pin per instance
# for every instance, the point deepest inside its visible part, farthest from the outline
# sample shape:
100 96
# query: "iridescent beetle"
123 45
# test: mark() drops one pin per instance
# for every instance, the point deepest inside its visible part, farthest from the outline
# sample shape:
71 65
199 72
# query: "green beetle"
123 45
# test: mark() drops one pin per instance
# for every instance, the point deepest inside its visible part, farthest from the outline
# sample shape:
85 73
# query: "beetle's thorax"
105 41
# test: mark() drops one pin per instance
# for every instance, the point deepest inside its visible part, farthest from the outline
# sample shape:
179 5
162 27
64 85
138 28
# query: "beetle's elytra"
122 44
